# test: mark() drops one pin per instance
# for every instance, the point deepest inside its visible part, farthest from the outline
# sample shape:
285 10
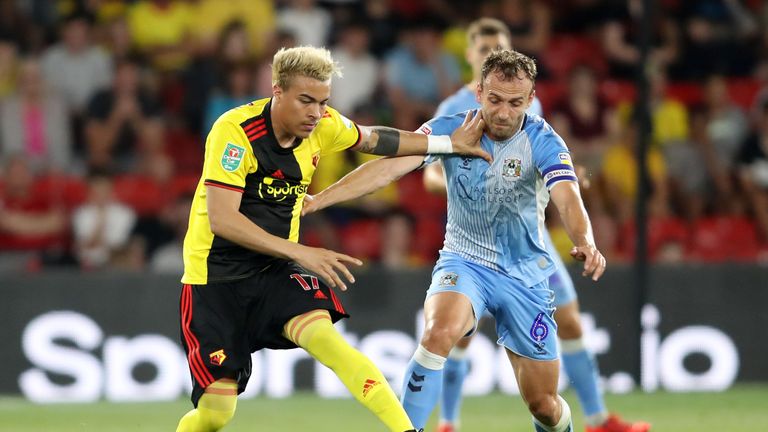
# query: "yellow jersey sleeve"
339 133
228 156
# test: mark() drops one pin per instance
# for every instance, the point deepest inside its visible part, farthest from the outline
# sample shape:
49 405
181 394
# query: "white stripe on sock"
427 359
565 416
569 346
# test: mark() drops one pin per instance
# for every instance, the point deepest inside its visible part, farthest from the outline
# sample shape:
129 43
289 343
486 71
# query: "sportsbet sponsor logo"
279 190
72 357
233 155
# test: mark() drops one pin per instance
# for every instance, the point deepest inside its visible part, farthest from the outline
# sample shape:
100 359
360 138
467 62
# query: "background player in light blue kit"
483 36
494 257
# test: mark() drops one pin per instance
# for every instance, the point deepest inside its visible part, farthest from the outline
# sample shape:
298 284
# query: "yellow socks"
214 409
314 332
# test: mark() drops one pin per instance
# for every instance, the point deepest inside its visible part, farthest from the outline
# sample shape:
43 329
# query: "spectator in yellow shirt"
159 29
620 175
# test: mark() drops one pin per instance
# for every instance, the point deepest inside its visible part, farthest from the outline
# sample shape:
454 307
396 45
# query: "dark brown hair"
509 64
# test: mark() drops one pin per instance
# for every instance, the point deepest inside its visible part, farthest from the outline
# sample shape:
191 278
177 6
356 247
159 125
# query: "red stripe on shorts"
196 364
336 302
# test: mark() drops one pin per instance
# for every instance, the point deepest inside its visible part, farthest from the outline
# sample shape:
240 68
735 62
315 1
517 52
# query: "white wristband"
439 144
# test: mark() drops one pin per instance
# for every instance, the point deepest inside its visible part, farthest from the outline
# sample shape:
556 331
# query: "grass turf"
743 408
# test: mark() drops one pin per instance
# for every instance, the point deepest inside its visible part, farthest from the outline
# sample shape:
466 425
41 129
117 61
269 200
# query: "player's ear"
277 91
479 92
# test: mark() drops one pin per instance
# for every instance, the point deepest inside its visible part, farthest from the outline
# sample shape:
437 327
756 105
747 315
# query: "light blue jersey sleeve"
550 154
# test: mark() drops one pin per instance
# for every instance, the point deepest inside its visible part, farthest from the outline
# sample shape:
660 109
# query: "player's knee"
544 407
439 338
569 329
568 325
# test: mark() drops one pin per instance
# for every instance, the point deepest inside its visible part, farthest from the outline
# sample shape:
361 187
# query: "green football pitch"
743 408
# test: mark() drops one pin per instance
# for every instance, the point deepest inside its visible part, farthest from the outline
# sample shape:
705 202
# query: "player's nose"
314 112
503 114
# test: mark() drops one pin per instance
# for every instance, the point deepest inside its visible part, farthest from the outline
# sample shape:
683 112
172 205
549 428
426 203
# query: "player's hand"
466 139
327 264
311 205
594 261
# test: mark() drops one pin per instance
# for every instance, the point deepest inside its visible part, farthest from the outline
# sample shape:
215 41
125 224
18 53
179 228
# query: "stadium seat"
142 194
550 92
567 50
362 239
662 234
311 237
743 91
184 184
689 93
724 238
69 190
186 149
416 200
428 239
617 91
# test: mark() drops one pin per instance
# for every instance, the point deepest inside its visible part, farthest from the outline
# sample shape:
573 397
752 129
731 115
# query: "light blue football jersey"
464 100
496 211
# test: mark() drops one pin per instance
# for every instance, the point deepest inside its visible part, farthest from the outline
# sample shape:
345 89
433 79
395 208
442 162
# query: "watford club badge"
218 357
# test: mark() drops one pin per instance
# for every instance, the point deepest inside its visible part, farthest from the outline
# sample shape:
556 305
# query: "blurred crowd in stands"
105 105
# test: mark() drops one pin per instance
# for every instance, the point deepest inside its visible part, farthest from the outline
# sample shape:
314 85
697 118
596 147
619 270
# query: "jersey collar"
273 142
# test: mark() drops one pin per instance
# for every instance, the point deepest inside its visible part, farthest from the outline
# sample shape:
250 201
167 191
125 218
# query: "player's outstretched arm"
567 198
386 141
227 222
368 177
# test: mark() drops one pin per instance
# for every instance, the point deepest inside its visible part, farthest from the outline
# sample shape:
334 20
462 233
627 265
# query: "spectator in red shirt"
30 220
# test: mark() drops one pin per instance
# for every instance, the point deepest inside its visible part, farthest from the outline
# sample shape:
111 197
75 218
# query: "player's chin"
502 133
303 132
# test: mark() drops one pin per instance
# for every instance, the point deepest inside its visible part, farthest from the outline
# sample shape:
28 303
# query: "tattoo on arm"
384 141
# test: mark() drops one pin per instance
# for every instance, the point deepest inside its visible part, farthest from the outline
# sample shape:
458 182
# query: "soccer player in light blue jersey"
494 257
483 36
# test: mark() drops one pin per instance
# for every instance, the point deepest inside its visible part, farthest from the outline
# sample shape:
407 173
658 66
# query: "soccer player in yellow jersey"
247 283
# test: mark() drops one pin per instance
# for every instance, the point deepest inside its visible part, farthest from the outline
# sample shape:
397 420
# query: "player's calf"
215 408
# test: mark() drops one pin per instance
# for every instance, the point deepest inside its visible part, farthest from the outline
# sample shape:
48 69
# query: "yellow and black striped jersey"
242 154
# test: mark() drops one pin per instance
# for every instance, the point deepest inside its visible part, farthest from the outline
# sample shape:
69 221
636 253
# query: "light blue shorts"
524 321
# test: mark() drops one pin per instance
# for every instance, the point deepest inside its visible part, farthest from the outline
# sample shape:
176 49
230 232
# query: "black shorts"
222 323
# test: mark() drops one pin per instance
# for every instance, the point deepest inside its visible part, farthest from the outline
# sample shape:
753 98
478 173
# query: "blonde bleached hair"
305 61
